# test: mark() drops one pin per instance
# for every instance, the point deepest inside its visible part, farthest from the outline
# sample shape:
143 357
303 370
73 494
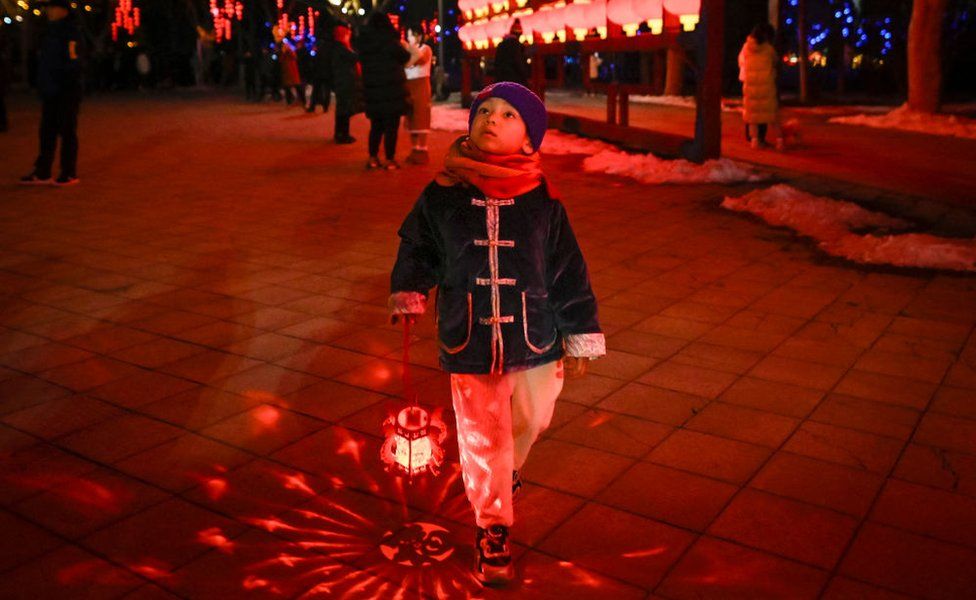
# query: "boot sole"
490 576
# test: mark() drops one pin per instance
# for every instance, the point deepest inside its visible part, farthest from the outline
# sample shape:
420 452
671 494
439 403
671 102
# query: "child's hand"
408 317
573 367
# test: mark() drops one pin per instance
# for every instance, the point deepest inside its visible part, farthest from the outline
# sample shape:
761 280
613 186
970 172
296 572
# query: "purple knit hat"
528 105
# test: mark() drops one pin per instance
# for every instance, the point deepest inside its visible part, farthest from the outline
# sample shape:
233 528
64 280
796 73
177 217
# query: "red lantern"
413 442
631 13
687 11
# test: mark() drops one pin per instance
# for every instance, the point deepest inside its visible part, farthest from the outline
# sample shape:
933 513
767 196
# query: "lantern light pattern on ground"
413 442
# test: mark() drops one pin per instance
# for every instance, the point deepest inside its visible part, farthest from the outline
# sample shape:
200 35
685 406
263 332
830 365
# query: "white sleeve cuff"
407 303
586 345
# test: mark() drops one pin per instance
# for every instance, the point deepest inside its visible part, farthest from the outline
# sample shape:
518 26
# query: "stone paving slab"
195 363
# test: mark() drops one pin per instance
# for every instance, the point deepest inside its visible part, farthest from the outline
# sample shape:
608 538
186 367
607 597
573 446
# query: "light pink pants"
499 417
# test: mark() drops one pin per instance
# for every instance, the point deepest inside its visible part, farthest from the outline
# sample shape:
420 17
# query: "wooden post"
659 71
465 82
624 99
585 70
612 104
708 114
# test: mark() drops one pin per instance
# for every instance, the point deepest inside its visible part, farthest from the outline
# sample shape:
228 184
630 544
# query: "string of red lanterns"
557 21
223 18
127 17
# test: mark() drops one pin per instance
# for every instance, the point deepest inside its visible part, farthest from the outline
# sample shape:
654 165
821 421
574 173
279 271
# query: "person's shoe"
63 180
516 484
373 163
35 179
392 165
345 139
493 556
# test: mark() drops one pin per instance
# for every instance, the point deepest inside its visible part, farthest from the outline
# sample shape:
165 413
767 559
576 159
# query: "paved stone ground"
195 363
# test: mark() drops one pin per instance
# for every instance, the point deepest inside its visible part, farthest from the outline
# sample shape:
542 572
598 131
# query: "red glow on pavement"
599 419
297 482
85 495
350 447
644 553
215 488
91 572
267 416
216 538
581 576
151 570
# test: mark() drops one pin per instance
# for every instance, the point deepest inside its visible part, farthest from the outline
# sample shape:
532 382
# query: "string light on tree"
127 18
223 18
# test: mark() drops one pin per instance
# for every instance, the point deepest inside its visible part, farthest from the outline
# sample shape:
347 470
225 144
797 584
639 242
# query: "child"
417 71
513 298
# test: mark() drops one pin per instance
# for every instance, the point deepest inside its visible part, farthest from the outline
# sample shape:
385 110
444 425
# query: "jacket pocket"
547 324
467 336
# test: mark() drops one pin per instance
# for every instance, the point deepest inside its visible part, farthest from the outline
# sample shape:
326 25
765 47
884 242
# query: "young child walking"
515 309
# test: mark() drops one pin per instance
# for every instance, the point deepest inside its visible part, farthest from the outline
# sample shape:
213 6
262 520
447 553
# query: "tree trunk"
804 62
774 14
675 79
925 55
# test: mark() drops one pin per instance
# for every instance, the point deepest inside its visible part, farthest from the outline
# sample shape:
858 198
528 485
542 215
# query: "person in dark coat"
510 62
59 83
384 86
345 69
269 74
321 75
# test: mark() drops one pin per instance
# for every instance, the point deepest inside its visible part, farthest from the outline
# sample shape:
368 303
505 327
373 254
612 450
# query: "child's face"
499 129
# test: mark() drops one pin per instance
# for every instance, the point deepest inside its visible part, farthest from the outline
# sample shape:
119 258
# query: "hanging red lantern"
687 11
414 436
413 442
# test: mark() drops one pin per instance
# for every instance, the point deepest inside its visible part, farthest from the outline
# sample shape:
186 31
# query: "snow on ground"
448 117
834 224
682 101
607 158
908 120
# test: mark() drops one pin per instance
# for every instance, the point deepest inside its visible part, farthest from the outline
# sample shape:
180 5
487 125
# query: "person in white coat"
757 72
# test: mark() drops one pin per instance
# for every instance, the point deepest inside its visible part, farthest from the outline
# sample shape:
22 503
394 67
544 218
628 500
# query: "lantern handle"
408 390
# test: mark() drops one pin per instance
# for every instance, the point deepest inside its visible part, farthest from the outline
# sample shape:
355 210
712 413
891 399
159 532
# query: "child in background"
417 70
515 309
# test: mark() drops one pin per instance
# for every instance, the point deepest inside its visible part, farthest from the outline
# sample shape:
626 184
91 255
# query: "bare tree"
804 59
925 55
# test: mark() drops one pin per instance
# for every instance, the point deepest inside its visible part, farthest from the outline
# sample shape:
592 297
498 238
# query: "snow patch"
680 101
908 120
649 169
558 143
833 223
445 117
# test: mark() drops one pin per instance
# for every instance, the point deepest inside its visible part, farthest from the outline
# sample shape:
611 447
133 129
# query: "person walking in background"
510 61
291 81
757 72
417 71
345 71
321 74
384 86
269 74
59 83
249 62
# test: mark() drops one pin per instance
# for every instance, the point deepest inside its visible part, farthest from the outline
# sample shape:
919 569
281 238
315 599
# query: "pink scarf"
496 175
